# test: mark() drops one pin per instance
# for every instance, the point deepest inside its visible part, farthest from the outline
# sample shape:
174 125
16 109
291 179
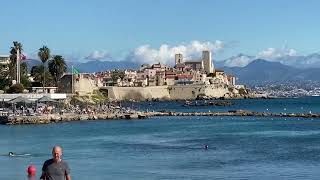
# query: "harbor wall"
175 92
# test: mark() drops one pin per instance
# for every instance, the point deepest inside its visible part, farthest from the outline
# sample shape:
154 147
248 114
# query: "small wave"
277 133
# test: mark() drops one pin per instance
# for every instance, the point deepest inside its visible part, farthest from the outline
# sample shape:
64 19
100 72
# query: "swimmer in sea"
206 147
12 154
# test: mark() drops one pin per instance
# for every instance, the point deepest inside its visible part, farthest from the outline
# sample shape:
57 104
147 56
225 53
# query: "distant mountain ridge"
91 66
301 62
98 66
262 71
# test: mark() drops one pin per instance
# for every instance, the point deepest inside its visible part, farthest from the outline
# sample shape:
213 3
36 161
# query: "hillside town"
187 79
196 74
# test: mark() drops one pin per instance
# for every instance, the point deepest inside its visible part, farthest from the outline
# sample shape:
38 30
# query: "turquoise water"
285 105
170 148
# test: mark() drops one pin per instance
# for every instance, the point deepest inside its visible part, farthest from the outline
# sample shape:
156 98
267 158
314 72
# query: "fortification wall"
137 93
194 91
165 92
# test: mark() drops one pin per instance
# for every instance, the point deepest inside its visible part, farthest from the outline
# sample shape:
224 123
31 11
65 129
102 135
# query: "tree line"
48 74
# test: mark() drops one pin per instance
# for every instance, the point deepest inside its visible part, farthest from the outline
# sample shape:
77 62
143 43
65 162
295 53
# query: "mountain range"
301 62
91 66
261 71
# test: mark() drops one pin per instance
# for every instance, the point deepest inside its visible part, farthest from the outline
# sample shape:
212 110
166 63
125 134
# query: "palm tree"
17 46
57 66
44 55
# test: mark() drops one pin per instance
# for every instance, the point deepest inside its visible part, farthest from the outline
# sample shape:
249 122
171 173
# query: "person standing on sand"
55 168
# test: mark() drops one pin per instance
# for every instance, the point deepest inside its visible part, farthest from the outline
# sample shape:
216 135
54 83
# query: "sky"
153 30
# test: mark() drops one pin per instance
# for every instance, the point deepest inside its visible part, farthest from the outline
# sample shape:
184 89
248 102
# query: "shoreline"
70 117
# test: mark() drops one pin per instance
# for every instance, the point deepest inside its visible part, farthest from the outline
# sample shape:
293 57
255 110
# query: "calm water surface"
285 105
170 148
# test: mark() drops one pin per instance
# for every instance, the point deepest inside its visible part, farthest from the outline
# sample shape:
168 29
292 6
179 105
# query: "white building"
4 62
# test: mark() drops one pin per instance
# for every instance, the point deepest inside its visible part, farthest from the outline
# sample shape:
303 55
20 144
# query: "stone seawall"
177 92
46 119
56 118
137 93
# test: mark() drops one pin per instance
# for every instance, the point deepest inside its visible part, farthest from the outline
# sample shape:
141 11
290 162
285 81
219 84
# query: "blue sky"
116 28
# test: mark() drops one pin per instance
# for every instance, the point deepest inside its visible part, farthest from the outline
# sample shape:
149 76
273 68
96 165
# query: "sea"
174 147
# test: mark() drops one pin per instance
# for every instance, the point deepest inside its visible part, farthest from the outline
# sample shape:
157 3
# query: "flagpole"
72 80
18 65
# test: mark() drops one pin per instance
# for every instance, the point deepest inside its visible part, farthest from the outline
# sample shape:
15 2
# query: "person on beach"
55 168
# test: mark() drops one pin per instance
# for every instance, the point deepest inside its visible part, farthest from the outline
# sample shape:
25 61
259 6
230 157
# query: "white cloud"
165 53
98 55
274 53
238 61
269 54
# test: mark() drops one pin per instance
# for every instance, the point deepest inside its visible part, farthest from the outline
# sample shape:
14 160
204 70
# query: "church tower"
207 62
179 58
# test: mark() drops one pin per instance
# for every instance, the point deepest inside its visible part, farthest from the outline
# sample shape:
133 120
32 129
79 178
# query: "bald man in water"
55 168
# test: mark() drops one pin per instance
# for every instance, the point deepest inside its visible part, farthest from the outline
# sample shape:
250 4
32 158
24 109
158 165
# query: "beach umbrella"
46 99
20 99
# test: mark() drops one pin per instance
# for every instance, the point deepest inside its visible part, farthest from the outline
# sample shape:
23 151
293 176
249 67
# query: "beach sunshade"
46 99
20 99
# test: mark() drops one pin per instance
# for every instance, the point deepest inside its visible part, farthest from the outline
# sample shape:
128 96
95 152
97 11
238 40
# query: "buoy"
32 170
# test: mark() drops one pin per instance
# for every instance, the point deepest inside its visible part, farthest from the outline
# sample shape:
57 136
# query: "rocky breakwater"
236 113
57 118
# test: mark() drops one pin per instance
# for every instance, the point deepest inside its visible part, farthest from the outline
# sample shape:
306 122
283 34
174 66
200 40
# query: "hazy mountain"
310 61
91 66
239 60
261 71
97 65
301 62
32 62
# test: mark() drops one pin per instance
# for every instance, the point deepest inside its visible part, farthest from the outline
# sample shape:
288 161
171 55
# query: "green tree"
24 75
16 88
57 67
5 83
116 74
44 55
38 73
7 76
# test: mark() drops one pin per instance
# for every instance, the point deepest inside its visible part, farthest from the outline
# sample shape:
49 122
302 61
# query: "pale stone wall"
165 92
82 84
137 93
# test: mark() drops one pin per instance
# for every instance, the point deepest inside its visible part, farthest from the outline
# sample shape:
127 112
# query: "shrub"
16 88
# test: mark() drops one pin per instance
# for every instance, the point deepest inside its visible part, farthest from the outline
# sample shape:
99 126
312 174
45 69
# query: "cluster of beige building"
185 73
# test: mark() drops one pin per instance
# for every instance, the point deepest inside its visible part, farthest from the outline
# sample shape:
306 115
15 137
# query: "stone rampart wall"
165 92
